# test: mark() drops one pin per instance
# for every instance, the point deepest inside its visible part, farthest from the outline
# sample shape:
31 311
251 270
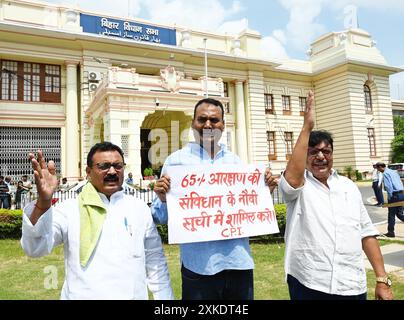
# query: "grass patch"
23 278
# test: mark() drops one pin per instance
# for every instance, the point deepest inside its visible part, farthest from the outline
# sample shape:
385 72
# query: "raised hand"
309 112
45 177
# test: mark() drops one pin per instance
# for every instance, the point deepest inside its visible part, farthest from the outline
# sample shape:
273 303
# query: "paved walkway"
393 254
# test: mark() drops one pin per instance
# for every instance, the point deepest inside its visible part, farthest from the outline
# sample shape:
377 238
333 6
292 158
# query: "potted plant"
148 174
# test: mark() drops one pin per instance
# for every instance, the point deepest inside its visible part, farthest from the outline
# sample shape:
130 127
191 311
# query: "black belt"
397 192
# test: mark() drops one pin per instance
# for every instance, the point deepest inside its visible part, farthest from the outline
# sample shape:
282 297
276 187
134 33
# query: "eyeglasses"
326 152
104 166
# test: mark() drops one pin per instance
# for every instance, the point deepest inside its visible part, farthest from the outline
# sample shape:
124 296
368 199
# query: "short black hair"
381 165
102 146
215 102
319 136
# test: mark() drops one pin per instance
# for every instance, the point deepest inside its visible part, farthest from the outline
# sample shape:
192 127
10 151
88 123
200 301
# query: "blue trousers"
297 291
5 201
378 192
225 285
395 211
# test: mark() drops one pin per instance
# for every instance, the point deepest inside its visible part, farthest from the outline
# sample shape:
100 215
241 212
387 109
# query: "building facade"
71 78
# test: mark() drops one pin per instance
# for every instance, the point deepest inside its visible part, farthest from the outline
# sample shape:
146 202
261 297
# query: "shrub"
358 175
348 172
148 172
280 210
10 224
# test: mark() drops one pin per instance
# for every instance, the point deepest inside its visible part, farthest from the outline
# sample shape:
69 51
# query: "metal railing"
146 195
60 196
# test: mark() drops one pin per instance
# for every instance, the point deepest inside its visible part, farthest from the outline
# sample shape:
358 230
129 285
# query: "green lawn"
23 278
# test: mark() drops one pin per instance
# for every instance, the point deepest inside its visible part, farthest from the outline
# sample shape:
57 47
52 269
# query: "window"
288 144
302 105
125 144
368 99
31 82
286 105
225 89
17 142
226 105
372 142
269 103
25 81
124 124
9 83
271 145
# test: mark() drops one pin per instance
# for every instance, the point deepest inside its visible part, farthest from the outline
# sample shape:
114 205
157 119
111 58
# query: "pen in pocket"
127 226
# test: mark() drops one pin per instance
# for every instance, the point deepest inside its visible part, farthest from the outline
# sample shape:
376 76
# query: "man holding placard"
220 207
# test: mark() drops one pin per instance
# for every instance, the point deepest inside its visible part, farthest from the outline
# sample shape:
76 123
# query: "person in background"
18 195
377 179
11 190
394 189
26 184
327 225
112 247
64 185
129 179
4 196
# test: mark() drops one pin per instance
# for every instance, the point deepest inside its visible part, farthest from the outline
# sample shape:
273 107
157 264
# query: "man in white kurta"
327 225
128 257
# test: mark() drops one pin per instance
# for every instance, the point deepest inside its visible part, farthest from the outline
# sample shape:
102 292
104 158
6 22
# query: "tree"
398 125
397 145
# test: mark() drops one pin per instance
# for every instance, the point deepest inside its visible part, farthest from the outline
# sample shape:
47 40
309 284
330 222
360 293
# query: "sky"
287 26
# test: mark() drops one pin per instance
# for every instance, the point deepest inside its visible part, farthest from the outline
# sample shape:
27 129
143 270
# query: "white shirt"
128 257
324 233
377 176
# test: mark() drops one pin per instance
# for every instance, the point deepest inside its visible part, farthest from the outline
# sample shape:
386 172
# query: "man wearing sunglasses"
327 225
111 245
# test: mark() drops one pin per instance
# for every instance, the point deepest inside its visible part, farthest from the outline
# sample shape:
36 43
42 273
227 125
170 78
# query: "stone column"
72 125
241 132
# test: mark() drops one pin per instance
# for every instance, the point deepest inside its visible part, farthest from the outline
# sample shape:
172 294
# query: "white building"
72 78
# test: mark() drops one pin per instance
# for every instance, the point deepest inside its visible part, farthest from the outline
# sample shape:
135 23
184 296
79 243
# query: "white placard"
218 202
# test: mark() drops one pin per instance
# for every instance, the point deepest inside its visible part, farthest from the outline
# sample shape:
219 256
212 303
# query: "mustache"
321 163
111 178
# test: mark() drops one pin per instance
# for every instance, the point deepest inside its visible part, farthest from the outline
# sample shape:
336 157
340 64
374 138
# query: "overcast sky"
287 26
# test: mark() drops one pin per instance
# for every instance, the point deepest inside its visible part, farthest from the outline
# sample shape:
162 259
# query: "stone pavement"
393 254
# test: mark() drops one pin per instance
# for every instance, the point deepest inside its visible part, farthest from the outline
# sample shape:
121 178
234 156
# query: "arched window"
368 99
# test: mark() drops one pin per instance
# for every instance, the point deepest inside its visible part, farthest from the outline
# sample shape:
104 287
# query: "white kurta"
128 257
324 232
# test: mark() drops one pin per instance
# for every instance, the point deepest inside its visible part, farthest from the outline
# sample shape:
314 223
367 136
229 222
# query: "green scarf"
92 216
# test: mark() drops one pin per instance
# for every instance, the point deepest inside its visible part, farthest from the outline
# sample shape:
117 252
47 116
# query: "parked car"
399 167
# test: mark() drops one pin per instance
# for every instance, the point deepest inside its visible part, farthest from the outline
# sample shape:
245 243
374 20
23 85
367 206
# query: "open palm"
45 176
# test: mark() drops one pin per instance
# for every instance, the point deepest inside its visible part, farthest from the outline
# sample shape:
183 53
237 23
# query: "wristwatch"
386 280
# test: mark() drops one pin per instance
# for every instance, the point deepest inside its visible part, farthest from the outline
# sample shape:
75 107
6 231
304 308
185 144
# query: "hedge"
10 224
11 220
